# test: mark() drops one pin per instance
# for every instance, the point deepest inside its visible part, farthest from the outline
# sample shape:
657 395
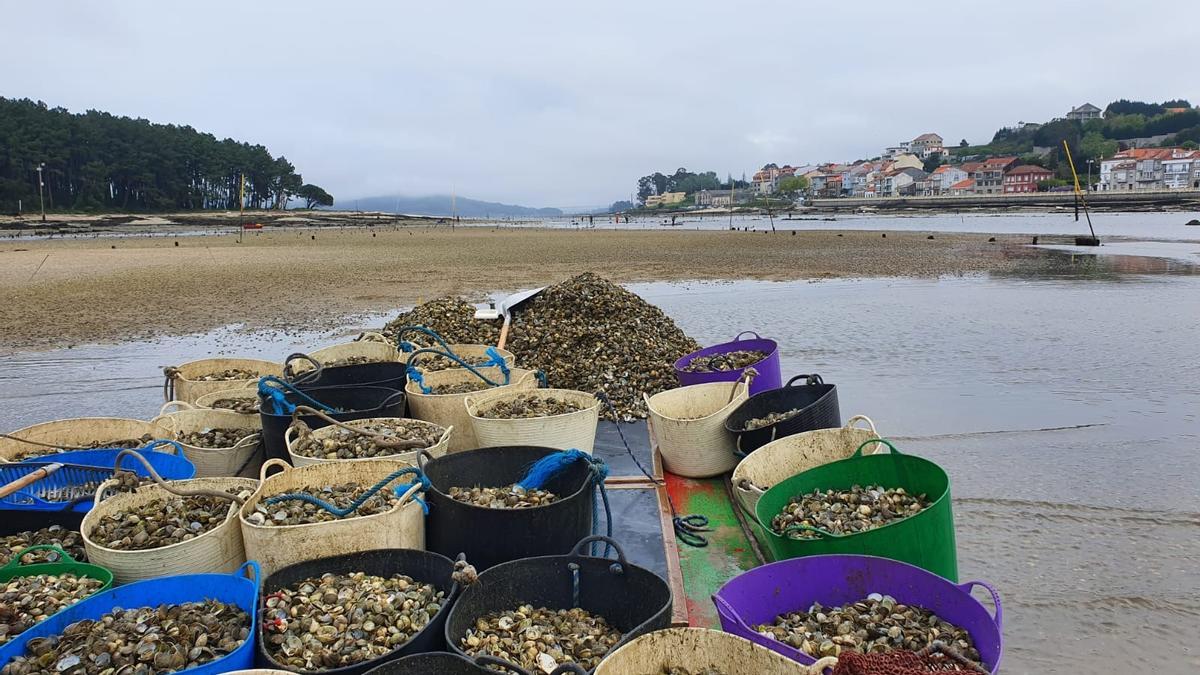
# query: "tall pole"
41 200
1089 183
241 206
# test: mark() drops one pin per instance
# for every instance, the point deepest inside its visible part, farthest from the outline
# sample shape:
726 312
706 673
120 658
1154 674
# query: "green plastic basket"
67 565
925 540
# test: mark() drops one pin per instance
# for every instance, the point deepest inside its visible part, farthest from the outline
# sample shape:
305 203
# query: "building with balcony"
1025 178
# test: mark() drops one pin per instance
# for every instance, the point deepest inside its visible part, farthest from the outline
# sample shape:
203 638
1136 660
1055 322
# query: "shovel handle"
28 479
504 331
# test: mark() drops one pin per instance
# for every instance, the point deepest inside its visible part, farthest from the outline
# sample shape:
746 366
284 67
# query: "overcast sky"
560 104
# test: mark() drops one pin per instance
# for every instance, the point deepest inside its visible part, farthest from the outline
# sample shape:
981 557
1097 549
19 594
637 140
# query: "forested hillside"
98 161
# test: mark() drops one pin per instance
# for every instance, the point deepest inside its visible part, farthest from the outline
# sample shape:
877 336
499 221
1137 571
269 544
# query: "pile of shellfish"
338 620
27 600
541 639
725 361
847 511
162 522
227 374
528 405
341 443
56 535
875 624
216 438
298 512
506 497
141 640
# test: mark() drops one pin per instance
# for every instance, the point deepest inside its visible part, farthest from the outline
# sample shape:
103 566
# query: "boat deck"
644 527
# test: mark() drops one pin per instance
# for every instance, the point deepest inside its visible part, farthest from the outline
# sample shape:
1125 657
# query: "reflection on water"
1062 400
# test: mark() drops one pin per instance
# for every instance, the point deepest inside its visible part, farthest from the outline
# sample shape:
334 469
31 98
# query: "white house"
1182 170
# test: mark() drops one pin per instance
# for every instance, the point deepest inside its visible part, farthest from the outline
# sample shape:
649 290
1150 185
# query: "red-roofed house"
963 187
989 178
1138 168
1025 178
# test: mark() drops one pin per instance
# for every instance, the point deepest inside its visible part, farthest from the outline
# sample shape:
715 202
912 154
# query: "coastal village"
926 167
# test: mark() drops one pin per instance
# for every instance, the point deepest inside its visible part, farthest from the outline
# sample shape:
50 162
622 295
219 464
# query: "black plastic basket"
817 402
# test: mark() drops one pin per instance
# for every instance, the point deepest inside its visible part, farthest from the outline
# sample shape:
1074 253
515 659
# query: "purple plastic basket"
769 374
760 595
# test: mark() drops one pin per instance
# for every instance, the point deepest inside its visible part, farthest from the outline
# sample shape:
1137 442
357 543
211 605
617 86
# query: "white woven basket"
574 430
215 462
219 550
182 383
450 410
80 431
275 547
783 458
687 425
698 648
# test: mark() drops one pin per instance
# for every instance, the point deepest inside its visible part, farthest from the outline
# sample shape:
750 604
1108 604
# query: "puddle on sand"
1063 405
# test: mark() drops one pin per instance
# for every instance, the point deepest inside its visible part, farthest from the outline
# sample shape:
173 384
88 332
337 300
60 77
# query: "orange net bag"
936 658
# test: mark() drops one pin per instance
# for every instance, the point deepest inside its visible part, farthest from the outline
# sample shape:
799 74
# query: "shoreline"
68 291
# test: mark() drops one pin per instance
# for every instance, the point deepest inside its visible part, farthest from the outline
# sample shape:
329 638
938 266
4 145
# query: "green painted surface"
728 553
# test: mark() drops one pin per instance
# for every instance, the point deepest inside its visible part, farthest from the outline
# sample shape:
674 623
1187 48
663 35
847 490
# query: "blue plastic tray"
51 494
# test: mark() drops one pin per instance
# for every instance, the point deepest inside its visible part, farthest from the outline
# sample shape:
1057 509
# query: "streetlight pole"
41 200
1089 183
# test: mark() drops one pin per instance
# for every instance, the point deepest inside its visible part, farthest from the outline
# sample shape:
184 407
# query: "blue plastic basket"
229 588
74 485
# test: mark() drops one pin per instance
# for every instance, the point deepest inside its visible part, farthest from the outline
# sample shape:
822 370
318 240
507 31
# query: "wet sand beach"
62 292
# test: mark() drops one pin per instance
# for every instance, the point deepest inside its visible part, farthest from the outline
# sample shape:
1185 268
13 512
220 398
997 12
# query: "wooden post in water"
1080 241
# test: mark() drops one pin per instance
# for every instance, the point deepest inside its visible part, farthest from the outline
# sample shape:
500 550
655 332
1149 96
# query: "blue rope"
454 357
687 528
545 469
415 375
541 378
277 396
342 513
406 346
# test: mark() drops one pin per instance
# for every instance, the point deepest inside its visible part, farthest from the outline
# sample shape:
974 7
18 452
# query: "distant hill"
439 205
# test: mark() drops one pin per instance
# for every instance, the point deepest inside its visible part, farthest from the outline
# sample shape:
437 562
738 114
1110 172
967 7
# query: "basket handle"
862 418
371 336
569 669
178 405
274 461
445 437
579 549
411 492
811 379
170 373
255 572
739 335
423 456
489 660
998 616
302 377
390 399
16 561
869 441
723 607
818 667
104 487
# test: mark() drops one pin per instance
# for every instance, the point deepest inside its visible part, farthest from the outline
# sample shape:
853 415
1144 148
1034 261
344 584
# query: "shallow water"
1063 400
1145 225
